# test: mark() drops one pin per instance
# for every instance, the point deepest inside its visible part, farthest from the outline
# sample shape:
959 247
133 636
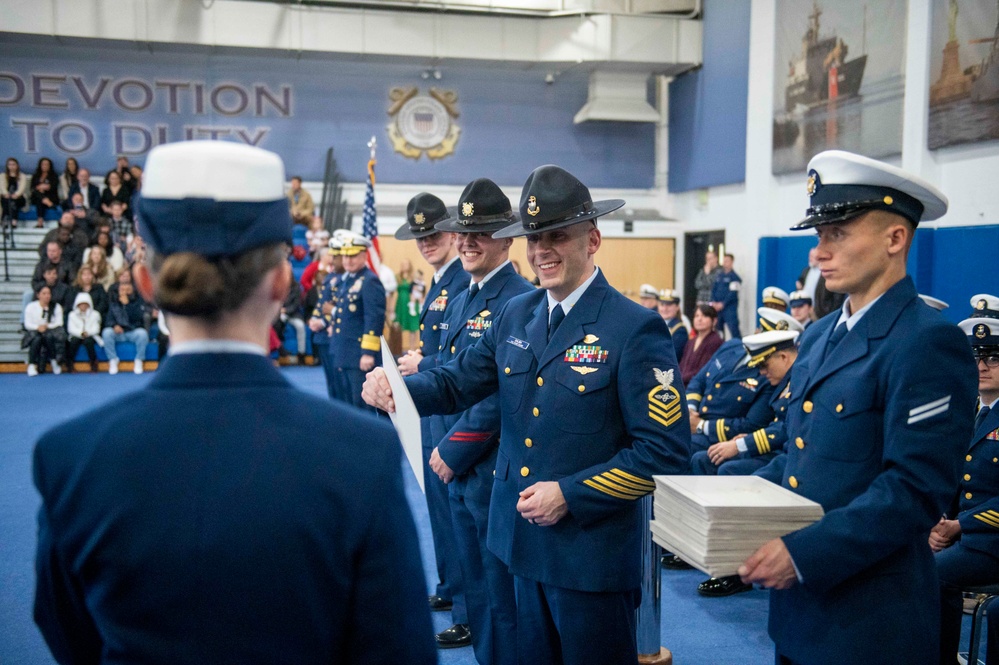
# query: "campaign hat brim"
474 225
598 209
407 232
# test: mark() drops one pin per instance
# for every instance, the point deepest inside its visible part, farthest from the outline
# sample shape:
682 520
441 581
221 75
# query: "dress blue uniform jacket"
452 282
468 442
772 437
884 418
326 295
979 495
216 519
679 334
732 400
726 289
358 319
590 411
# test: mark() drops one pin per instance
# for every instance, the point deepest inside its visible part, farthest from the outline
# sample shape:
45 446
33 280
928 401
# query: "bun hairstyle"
190 284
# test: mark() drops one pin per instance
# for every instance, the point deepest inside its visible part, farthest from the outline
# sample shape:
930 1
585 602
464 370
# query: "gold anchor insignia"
980 331
782 325
590 339
418 218
532 206
811 185
467 209
584 370
981 304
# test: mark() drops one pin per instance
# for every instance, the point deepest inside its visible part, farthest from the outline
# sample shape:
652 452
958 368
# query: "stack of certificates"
715 522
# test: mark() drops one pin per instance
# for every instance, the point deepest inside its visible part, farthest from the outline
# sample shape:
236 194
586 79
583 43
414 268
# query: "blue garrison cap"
213 198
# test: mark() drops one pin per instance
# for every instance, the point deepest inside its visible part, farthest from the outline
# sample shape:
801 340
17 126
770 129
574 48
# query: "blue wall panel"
708 107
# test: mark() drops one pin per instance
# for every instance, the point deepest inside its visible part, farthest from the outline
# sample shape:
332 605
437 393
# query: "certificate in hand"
406 418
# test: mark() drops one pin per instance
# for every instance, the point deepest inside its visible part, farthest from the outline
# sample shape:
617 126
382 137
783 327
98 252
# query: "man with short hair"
121 226
300 202
423 212
881 397
591 407
124 324
54 257
648 296
90 194
725 297
73 241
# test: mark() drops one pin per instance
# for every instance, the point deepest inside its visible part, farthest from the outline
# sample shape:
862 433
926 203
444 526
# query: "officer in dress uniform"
801 307
591 407
648 296
465 457
775 298
423 212
882 401
358 320
206 522
669 309
321 321
966 541
725 297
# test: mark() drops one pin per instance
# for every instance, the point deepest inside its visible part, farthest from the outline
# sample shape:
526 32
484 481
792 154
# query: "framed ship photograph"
964 72
839 81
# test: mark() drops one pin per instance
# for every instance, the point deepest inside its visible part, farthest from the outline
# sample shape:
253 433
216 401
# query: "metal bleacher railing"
332 206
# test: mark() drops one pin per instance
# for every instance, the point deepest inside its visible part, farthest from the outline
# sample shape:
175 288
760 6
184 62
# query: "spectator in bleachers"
44 189
699 350
89 192
72 240
706 277
53 256
85 282
300 202
83 326
122 228
291 314
136 250
83 216
14 190
96 260
43 318
318 237
115 191
124 172
112 253
124 324
68 178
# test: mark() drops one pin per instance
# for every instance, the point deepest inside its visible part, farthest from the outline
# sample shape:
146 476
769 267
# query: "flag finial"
373 143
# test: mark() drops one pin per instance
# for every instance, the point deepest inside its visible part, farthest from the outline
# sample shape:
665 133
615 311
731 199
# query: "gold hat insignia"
980 331
418 219
532 206
981 304
590 339
811 185
467 209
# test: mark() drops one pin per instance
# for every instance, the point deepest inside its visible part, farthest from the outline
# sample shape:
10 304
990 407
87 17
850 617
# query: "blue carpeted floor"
697 630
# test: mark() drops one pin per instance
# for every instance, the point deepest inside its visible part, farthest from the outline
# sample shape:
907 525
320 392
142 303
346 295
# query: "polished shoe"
456 636
717 587
438 604
673 562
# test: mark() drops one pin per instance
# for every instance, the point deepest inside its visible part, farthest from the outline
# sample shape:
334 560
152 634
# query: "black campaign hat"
482 208
423 212
553 198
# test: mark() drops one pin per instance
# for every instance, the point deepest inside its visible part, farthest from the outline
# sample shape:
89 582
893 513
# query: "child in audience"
84 328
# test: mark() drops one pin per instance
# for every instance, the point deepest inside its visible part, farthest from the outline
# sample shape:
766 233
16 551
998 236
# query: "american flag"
370 230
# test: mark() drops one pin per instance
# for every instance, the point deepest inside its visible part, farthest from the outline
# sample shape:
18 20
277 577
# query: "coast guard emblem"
467 209
664 400
981 304
812 183
981 331
423 123
419 218
532 206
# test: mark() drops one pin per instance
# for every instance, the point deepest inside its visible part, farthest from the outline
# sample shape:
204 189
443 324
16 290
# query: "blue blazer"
93 197
772 437
358 319
979 493
216 518
468 442
679 334
590 411
732 400
884 419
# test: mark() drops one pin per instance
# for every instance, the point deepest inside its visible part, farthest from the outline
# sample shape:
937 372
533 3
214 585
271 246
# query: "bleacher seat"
126 351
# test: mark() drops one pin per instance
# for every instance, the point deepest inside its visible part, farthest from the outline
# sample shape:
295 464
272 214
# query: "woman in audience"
699 350
44 189
14 190
86 282
95 259
43 323
84 328
406 316
116 191
112 254
68 178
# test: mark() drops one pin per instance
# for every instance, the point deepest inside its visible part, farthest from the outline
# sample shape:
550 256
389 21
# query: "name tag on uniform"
444 326
519 343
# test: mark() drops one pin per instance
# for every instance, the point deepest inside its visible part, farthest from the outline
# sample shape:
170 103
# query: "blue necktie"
556 318
837 334
983 413
472 290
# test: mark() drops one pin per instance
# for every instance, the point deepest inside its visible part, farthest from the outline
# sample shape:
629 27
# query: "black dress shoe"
438 604
717 587
673 562
457 635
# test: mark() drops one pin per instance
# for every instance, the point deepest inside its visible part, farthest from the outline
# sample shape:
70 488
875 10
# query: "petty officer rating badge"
664 400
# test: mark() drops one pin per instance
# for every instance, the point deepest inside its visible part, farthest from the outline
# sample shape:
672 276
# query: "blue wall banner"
95 99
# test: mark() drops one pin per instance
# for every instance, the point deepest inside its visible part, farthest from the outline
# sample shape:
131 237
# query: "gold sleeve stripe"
665 422
762 444
626 482
993 513
665 411
617 487
651 484
991 521
370 343
597 487
693 397
720 428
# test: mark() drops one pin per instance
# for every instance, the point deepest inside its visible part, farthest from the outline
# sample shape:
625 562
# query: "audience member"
44 189
706 277
648 296
84 328
776 298
122 228
115 190
669 309
124 324
14 190
325 262
291 314
72 240
68 178
53 256
407 313
136 250
700 348
300 202
86 282
124 172
43 318
725 297
318 237
801 308
112 254
90 194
